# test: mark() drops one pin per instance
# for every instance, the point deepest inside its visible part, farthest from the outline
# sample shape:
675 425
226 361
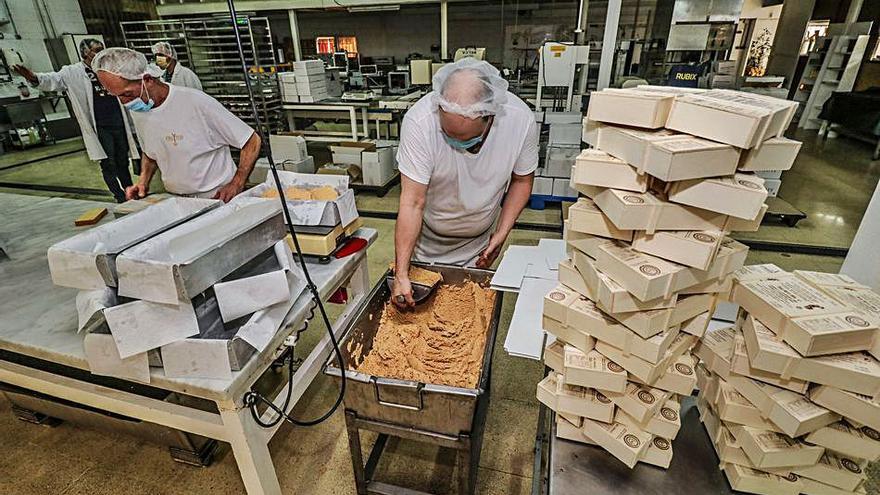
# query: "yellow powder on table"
324 193
440 341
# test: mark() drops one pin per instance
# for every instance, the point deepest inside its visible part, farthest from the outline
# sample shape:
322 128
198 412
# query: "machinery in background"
558 65
478 53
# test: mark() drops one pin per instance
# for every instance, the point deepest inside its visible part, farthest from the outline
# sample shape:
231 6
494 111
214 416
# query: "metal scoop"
420 291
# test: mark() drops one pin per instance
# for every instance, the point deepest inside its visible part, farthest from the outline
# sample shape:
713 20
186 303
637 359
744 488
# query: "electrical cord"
252 398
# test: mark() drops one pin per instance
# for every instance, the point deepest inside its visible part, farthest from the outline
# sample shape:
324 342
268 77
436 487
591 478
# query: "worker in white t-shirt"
184 132
462 146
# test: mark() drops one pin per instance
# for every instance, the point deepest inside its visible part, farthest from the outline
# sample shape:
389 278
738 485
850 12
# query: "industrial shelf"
208 47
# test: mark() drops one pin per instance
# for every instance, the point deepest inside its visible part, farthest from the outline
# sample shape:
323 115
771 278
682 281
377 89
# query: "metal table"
574 468
357 110
40 324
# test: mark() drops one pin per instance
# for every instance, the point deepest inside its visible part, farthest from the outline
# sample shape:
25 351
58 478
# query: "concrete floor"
833 186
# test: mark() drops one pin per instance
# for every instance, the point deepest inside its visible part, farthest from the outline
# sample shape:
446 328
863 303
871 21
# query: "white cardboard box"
630 107
793 413
593 370
627 444
586 317
378 166
543 186
805 317
591 132
748 480
586 218
768 449
640 402
571 278
782 111
630 145
696 249
857 372
732 123
852 406
630 210
835 470
861 443
776 153
665 423
608 294
740 195
715 350
562 189
565 135
559 160
688 157
599 169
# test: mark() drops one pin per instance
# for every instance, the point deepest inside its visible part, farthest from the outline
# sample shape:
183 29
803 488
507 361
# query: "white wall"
64 16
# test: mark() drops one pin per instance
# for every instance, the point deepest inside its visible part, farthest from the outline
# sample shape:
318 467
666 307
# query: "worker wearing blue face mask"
461 147
183 132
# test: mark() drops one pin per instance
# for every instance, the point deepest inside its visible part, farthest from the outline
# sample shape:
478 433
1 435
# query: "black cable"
251 397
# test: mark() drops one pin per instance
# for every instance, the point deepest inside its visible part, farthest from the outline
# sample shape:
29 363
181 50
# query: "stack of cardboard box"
649 253
789 392
307 83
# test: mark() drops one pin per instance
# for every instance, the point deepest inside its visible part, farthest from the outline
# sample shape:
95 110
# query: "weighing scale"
323 242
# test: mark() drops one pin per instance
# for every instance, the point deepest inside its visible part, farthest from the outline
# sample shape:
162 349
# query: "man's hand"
487 257
401 292
136 191
26 73
229 191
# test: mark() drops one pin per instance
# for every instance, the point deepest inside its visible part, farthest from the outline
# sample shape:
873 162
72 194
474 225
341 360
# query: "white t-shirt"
464 189
189 136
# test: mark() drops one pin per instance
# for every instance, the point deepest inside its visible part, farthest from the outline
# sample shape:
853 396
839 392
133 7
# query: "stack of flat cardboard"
788 394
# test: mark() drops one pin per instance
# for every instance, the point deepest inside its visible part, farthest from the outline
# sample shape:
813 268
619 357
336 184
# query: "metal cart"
450 417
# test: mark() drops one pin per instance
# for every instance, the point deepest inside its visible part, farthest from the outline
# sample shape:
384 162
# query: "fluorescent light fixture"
374 8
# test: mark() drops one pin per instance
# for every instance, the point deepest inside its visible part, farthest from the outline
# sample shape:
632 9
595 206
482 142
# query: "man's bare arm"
406 233
248 157
517 197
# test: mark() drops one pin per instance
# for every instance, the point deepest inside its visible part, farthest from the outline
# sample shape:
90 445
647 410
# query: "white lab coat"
74 80
182 76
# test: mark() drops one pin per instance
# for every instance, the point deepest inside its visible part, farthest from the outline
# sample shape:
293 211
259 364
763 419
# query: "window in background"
815 30
349 44
325 45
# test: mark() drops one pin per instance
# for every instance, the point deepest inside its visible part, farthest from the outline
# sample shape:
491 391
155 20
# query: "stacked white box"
792 381
641 250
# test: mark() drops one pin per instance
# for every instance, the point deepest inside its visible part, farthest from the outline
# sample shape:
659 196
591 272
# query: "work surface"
694 467
39 319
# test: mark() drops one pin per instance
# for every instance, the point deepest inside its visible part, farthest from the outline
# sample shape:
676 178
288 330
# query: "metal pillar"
294 35
609 44
444 27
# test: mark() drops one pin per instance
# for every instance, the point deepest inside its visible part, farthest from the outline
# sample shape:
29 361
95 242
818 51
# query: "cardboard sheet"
197 358
244 296
90 305
139 326
525 337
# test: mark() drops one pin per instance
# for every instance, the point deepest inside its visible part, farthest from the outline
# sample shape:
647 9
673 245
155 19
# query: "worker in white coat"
102 119
183 132
165 56
462 147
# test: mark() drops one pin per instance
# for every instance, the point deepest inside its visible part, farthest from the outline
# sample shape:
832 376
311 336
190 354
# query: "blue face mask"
463 145
138 104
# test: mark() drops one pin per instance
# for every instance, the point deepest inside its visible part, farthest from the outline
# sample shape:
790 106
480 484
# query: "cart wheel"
791 221
324 260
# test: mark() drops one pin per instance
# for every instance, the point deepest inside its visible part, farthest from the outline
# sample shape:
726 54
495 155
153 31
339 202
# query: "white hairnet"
164 48
470 88
123 62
